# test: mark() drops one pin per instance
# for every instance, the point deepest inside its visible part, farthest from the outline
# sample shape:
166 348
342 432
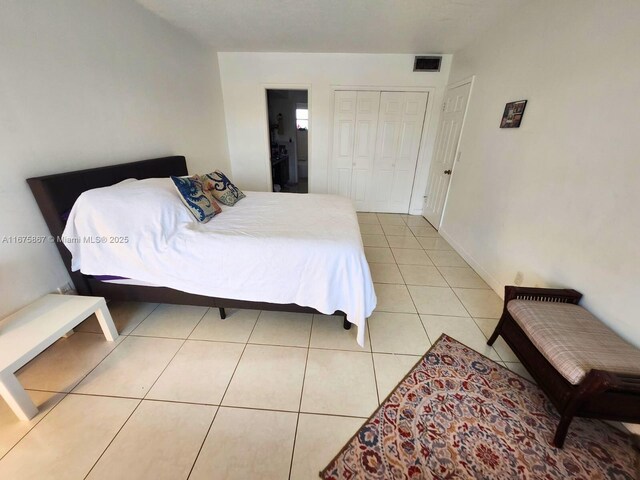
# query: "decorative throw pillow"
222 188
199 202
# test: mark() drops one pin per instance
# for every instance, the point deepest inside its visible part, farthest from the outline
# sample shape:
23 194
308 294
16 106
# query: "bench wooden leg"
223 314
561 430
106 322
346 324
496 332
16 397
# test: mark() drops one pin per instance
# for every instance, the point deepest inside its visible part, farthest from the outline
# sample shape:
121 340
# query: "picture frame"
513 112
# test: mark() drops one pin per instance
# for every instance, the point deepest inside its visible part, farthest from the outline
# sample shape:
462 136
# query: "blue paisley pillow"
199 202
221 187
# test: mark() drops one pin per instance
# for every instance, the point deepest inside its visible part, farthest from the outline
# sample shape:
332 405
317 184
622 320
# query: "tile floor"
287 390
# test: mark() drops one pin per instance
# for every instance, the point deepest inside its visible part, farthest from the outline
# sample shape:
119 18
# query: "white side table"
29 331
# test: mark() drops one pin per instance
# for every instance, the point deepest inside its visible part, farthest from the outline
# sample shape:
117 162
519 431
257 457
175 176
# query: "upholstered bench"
583 366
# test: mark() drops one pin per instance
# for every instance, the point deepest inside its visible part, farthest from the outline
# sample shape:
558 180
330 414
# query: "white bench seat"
28 332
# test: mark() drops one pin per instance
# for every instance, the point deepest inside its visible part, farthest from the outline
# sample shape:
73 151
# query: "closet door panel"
411 121
344 120
368 104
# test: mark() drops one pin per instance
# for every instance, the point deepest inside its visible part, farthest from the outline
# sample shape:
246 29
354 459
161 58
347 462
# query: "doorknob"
447 172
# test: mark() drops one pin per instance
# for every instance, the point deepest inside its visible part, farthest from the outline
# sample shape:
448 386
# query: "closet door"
344 120
411 122
397 146
364 149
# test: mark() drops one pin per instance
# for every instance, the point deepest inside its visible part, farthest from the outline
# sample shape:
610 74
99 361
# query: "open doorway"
288 114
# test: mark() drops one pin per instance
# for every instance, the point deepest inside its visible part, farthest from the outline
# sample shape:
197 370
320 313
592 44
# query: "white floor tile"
61 366
435 243
403 242
462 329
126 316
199 373
374 241
393 298
422 275
328 332
396 230
390 370
390 219
12 429
397 333
268 377
371 229
131 369
68 441
386 273
462 277
480 303
247 444
237 327
379 255
160 441
339 383
367 218
444 258
437 301
318 440
487 326
171 321
405 256
417 221
421 231
282 328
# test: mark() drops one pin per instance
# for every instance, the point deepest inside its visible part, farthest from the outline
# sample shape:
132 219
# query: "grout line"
304 376
373 363
35 424
165 368
114 437
143 398
195 460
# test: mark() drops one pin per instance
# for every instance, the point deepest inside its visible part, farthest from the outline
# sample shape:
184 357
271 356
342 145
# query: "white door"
364 149
397 145
446 150
344 120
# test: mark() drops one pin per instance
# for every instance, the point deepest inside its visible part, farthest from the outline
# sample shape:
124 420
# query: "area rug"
459 415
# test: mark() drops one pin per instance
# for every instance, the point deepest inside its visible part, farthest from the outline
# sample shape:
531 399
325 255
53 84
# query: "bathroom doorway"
288 116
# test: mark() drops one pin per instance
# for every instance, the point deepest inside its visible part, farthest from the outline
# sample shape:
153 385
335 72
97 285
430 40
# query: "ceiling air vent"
427 64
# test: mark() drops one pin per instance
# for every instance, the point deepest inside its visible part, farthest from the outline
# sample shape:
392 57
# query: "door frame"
431 93
265 127
456 156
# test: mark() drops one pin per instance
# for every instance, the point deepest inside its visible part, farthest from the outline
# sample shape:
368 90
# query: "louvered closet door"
364 149
344 120
398 143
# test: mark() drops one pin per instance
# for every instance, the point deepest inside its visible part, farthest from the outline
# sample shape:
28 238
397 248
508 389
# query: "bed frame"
56 194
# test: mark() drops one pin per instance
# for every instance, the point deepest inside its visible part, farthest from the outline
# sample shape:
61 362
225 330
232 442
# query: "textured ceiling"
349 26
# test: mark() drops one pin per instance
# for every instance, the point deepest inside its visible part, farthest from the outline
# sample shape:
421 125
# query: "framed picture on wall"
512 115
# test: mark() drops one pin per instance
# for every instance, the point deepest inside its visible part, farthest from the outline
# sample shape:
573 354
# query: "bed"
286 252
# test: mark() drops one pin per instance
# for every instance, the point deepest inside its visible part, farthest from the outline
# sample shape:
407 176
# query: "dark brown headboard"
56 194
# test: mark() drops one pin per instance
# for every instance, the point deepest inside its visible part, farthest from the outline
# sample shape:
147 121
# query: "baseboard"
484 274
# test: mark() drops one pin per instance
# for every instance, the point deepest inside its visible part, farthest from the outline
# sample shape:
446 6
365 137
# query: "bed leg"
223 314
346 324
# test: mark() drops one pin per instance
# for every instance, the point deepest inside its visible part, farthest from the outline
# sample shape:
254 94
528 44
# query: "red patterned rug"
459 415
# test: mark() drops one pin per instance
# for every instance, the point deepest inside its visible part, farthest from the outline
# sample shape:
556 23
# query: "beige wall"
558 198
91 83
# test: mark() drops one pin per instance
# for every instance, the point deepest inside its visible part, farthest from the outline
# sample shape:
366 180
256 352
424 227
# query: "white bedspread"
269 247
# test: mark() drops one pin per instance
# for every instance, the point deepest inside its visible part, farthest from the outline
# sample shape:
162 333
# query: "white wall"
90 83
245 76
558 198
